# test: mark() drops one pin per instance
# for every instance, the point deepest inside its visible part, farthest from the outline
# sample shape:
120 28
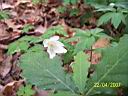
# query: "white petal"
54 38
60 50
51 53
45 42
58 43
112 4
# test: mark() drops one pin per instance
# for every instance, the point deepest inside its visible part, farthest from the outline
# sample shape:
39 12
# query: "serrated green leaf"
84 43
113 66
4 15
66 2
87 38
82 33
80 70
105 18
117 18
50 74
36 48
61 9
54 30
105 9
71 39
96 30
25 91
27 27
114 17
17 46
73 1
74 12
36 1
27 38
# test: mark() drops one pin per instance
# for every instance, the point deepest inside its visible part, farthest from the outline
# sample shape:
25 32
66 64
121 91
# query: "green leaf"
106 9
61 9
105 18
80 70
26 91
74 12
117 18
73 1
36 1
114 17
27 38
66 2
68 57
84 44
36 48
126 28
82 33
50 74
39 1
18 46
71 39
96 30
27 27
113 66
4 15
62 93
87 38
88 33
54 30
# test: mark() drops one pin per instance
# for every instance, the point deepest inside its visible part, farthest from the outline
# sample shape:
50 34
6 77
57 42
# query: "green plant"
39 1
115 14
27 28
80 71
4 15
67 2
18 46
51 75
58 30
109 69
23 44
25 91
87 38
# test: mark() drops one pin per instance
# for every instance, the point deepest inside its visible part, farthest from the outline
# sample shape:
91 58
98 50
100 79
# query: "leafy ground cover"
63 48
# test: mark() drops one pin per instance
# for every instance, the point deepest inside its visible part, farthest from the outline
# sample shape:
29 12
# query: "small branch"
91 55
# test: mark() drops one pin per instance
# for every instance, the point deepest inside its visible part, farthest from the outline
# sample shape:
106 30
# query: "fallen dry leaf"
101 43
10 88
12 25
6 6
95 57
40 29
5 66
3 31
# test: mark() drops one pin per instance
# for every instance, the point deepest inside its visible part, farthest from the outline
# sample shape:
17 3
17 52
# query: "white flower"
112 4
54 46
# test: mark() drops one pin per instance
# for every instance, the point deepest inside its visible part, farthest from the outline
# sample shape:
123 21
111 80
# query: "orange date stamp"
110 84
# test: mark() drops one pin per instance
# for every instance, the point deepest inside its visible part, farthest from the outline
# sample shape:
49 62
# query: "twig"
91 55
